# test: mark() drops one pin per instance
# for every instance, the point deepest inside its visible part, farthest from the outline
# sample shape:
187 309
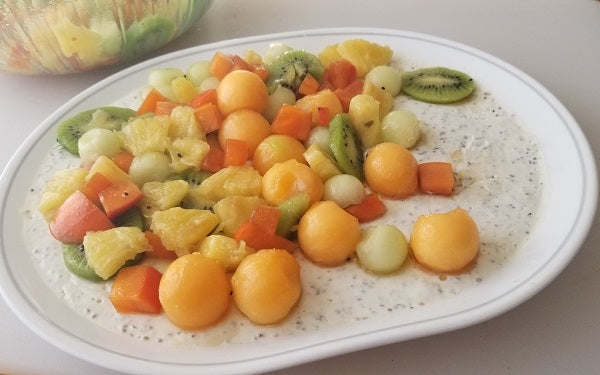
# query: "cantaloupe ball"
277 148
242 89
391 170
445 242
323 98
194 291
266 285
327 234
286 179
246 125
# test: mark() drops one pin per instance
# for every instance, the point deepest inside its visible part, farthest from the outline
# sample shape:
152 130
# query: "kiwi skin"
346 146
438 85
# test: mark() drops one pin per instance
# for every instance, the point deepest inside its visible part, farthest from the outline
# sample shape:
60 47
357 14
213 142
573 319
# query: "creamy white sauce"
499 183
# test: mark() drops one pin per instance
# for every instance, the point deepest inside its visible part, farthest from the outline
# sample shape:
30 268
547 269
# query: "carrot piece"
341 73
77 216
369 209
157 248
94 186
258 239
436 178
293 121
220 65
266 217
309 85
236 152
149 103
123 160
135 290
323 116
206 96
119 197
347 93
209 117
164 107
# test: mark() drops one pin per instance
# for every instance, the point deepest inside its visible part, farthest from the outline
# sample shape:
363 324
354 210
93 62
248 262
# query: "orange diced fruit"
135 290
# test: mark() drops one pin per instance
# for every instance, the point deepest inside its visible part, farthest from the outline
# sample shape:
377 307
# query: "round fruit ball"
245 125
266 285
327 234
284 180
241 89
277 148
445 242
391 170
194 291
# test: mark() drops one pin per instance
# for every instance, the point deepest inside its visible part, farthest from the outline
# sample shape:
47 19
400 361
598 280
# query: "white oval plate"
566 210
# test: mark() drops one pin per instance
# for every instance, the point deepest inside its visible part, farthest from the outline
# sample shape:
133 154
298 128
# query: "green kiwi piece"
290 68
75 261
193 177
147 34
130 218
292 210
346 146
69 131
437 85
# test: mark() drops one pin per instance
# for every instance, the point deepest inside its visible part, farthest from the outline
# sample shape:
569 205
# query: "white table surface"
555 41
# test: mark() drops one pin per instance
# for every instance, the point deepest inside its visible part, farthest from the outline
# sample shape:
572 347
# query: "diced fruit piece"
224 249
436 178
108 250
341 73
215 158
184 123
77 216
187 153
183 90
108 169
205 97
149 103
60 186
292 121
385 99
291 211
209 117
364 55
345 94
258 238
157 248
119 197
159 196
321 99
236 152
309 85
220 65
123 160
382 249
182 229
235 210
266 217
81 42
387 78
234 180
96 142
135 290
277 98
147 134
369 209
364 116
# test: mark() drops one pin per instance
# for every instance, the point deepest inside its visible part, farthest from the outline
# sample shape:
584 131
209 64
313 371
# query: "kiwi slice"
75 261
290 68
146 35
70 130
194 177
438 85
130 218
292 210
346 146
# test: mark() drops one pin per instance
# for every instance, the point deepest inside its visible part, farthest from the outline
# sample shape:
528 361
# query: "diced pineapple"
182 229
158 196
60 187
183 90
364 55
252 57
107 251
329 55
235 210
108 169
233 180
321 162
144 135
194 199
364 116
225 250
78 41
187 153
385 99
185 124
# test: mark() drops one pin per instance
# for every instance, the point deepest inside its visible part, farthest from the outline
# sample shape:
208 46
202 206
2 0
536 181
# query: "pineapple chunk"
182 230
159 196
235 210
60 187
187 153
364 116
107 251
225 250
108 169
329 54
185 124
364 55
320 162
183 90
385 99
233 180
78 41
252 57
194 199
144 135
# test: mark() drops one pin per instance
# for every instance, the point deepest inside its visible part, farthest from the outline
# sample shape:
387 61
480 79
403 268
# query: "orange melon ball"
277 148
194 291
445 242
391 170
327 234
246 125
242 89
323 98
286 179
266 285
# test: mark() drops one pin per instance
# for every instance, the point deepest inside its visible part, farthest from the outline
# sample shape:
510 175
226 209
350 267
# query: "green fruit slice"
69 131
146 35
193 177
290 68
346 146
74 259
437 85
291 211
131 218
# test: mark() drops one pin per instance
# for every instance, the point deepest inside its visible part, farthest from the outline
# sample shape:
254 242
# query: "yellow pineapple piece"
107 251
252 57
365 55
60 186
184 123
385 99
329 55
235 210
195 199
320 162
364 116
183 90
144 135
78 41
158 196
187 153
182 229
225 250
233 180
108 169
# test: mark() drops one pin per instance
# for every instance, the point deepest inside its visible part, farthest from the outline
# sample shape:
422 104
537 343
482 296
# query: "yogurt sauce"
498 170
